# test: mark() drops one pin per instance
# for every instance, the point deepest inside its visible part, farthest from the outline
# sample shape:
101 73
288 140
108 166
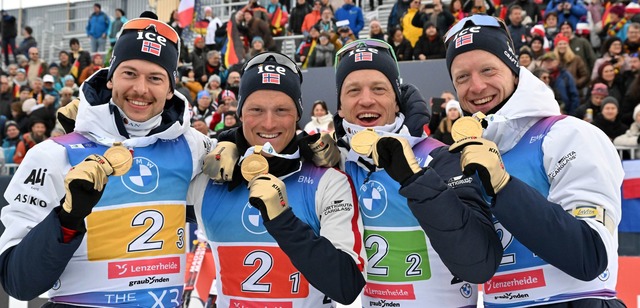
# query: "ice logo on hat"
271 73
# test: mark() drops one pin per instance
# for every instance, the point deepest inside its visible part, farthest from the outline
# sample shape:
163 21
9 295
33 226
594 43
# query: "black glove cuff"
70 221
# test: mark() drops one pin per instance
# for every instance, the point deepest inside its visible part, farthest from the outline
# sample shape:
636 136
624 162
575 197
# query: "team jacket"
133 251
558 215
429 239
310 256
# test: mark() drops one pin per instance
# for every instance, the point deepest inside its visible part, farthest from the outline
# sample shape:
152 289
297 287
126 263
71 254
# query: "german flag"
233 49
75 69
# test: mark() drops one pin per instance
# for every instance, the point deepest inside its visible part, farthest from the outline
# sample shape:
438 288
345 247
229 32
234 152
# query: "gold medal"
119 158
254 164
364 141
466 127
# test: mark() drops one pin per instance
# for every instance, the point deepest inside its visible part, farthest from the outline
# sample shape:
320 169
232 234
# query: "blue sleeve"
547 230
33 266
88 27
456 214
552 7
327 268
578 9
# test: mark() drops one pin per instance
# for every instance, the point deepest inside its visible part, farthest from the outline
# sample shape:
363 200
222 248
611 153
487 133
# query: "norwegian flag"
271 78
364 56
464 40
151 47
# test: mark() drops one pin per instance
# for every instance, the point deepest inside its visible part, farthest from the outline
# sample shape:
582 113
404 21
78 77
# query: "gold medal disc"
363 142
120 159
466 127
253 165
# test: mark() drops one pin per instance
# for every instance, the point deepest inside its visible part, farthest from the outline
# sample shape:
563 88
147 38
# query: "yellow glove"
482 156
323 148
67 115
84 185
269 195
220 163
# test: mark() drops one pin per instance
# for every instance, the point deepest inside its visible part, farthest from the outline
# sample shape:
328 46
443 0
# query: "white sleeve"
340 221
35 189
583 168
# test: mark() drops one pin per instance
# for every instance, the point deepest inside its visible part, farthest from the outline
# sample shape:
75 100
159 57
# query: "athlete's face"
367 99
140 88
481 80
269 116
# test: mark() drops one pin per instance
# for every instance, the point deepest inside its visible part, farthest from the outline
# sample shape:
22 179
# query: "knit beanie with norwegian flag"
130 46
491 39
270 76
368 58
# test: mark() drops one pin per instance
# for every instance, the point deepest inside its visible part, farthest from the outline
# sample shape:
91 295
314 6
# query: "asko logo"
148 267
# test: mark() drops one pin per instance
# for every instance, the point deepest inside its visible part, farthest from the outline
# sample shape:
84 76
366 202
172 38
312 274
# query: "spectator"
551 25
608 120
28 41
210 41
612 53
49 89
173 22
598 93
456 9
526 58
12 70
327 4
20 117
433 12
114 29
97 62
567 10
213 86
233 82
631 138
297 16
66 96
321 120
200 126
410 31
36 67
530 12
203 109
230 121
79 58
580 46
324 53
188 80
345 36
520 33
537 47
607 74
198 60
97 28
6 97
348 11
484 7
443 133
401 46
257 46
312 17
632 96
70 82
573 64
11 140
430 45
617 25
538 31
375 30
278 17
562 83
9 33
64 64
252 27
397 11
54 70
632 43
225 105
36 135
326 22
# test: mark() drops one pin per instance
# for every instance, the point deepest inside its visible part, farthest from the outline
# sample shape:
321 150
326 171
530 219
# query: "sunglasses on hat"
363 43
141 24
277 57
477 20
